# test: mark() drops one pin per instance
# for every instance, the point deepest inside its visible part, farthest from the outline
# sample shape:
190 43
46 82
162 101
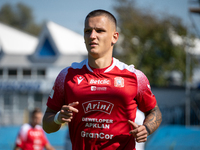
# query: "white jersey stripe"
123 66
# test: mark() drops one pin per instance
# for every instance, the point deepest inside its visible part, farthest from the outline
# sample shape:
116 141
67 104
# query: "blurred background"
162 38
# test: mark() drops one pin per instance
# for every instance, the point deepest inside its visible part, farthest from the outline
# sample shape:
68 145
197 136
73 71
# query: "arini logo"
98 105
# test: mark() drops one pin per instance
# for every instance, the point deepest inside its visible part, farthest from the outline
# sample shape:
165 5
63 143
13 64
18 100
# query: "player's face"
37 118
99 35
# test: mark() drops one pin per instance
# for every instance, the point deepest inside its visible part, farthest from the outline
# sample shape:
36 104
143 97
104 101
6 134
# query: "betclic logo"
102 81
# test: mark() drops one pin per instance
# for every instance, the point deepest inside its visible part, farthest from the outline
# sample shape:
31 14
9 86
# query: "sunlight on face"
98 34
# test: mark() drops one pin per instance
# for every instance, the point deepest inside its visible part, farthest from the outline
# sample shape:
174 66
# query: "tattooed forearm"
153 119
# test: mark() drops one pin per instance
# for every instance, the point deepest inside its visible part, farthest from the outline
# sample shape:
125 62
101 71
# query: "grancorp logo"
99 81
98 105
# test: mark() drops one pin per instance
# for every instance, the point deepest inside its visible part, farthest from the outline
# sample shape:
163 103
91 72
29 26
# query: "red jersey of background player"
30 138
107 98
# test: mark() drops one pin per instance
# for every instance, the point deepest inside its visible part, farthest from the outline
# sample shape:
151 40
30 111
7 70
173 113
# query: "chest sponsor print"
102 81
35 133
95 88
98 105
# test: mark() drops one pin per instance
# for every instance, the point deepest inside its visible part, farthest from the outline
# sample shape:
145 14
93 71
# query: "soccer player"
99 96
31 136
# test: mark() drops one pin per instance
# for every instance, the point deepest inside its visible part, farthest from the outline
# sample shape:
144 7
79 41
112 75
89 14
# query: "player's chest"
102 86
34 134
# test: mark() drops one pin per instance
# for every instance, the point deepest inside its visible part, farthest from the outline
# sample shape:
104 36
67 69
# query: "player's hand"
139 132
66 112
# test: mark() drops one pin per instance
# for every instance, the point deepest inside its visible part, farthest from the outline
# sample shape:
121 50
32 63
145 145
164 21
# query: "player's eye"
100 30
87 31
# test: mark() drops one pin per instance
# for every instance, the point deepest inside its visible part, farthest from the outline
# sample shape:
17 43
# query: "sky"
71 13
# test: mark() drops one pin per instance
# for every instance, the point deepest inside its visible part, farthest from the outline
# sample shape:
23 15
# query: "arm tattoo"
153 119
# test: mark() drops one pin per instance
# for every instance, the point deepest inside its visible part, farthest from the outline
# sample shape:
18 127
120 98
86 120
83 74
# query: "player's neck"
100 62
33 125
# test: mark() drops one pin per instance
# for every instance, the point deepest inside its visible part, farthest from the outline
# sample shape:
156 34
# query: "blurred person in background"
31 135
99 96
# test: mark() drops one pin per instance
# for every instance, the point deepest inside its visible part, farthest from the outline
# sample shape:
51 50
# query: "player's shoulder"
142 81
140 74
131 68
79 65
121 65
25 127
39 127
74 65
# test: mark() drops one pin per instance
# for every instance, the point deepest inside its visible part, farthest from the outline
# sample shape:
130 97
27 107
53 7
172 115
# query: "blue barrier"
8 136
174 137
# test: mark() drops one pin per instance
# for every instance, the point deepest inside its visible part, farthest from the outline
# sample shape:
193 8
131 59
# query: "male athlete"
31 136
99 96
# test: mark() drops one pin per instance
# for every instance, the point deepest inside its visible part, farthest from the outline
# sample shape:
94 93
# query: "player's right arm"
64 116
48 123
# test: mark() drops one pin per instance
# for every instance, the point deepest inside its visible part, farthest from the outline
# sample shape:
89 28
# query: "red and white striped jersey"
107 97
30 138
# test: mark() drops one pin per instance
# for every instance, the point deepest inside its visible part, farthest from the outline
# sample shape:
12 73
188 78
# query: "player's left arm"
146 101
153 119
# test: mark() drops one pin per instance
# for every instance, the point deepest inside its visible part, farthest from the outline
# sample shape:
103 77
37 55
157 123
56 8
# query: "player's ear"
115 37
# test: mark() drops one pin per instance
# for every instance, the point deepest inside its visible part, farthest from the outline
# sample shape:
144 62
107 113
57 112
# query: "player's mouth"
93 44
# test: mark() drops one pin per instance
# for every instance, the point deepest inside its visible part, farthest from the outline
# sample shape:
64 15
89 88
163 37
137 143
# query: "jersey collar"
104 70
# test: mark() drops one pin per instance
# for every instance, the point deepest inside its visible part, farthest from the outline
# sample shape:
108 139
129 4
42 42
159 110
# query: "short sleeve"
57 94
145 98
22 135
19 142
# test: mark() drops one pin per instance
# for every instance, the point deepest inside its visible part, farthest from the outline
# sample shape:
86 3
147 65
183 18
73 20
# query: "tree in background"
19 16
145 42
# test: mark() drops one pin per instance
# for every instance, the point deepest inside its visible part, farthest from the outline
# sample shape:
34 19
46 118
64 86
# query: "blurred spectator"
31 136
